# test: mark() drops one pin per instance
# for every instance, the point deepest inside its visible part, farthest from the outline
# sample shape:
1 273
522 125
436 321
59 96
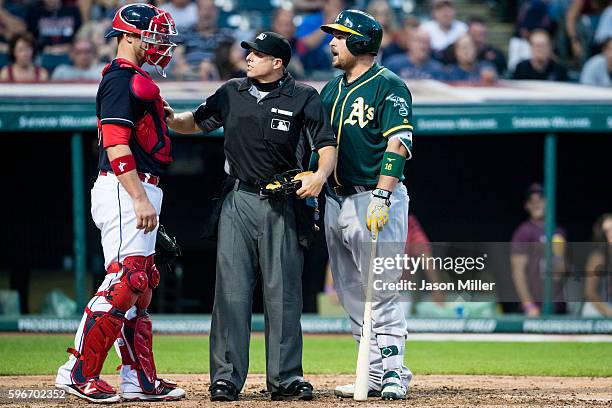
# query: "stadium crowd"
556 40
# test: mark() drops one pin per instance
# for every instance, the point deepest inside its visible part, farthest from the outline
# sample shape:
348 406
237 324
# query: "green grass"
40 354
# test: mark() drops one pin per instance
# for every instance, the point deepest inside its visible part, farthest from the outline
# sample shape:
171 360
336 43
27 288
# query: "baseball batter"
125 205
370 110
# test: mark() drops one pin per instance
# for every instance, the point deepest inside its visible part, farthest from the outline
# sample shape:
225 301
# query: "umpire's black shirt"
261 137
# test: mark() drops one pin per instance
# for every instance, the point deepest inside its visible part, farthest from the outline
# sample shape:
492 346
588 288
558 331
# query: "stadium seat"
52 61
252 5
4 59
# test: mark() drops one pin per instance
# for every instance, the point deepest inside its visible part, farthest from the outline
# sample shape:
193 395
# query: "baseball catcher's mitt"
166 250
283 184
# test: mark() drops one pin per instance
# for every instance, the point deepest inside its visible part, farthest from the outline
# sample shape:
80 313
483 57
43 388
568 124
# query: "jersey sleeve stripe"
117 120
394 129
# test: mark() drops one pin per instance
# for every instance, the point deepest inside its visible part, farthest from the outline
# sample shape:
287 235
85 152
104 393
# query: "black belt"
345 191
249 188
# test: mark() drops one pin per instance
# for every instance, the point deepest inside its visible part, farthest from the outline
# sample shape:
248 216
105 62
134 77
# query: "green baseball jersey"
364 115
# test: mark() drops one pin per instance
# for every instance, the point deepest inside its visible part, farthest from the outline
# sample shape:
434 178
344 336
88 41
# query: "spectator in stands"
102 10
282 23
184 13
409 26
201 42
11 23
308 5
22 49
95 31
467 68
417 62
604 28
477 29
581 21
598 69
384 14
598 288
527 256
533 15
542 65
230 60
53 25
312 46
444 30
85 66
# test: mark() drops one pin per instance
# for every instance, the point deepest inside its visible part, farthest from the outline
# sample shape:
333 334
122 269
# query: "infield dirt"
425 391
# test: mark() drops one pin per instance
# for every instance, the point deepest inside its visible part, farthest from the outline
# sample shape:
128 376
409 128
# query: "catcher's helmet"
365 33
155 28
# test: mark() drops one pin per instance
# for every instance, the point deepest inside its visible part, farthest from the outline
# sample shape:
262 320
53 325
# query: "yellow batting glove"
378 211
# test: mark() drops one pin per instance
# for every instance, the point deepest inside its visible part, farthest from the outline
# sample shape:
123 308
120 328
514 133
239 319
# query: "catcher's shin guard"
102 328
100 331
136 347
139 375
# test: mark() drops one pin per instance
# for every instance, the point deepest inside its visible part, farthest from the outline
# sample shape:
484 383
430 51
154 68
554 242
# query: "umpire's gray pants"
256 234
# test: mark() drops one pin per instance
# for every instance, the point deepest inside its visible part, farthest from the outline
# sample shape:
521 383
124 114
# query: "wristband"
529 307
392 165
329 288
384 194
123 164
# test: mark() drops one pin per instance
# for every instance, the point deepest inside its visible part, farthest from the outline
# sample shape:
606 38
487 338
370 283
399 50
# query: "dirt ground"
425 391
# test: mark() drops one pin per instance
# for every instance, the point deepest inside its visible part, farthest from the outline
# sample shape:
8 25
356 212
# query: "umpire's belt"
249 188
345 191
144 177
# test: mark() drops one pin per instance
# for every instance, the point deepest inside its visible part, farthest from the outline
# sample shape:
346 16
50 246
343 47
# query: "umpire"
265 118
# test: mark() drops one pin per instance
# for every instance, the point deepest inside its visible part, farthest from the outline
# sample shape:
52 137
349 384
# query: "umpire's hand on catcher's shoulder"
169 112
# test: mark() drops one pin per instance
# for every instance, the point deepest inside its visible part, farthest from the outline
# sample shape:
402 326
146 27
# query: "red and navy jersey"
129 99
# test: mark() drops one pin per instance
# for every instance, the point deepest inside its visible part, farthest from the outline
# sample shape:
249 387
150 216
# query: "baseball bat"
363 357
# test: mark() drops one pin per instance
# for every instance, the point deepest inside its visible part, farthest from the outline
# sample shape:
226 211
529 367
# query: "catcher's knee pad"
100 331
153 278
153 273
134 282
136 349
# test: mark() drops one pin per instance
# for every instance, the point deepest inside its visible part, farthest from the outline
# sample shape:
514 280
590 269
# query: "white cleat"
95 390
393 391
348 391
166 391
165 395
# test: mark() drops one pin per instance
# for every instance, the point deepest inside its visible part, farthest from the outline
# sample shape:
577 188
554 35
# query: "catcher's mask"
155 27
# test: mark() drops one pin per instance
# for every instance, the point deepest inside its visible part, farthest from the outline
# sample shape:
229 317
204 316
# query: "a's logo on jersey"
278 124
360 113
400 102
121 166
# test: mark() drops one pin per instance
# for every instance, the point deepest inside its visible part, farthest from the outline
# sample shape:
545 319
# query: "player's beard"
346 63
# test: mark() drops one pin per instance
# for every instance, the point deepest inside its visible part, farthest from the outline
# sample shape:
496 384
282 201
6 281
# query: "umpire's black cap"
272 44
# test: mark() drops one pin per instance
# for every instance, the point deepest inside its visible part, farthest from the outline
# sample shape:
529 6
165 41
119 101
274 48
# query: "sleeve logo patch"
278 124
400 102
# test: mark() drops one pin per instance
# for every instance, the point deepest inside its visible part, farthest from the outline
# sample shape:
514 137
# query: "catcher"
125 204
264 117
